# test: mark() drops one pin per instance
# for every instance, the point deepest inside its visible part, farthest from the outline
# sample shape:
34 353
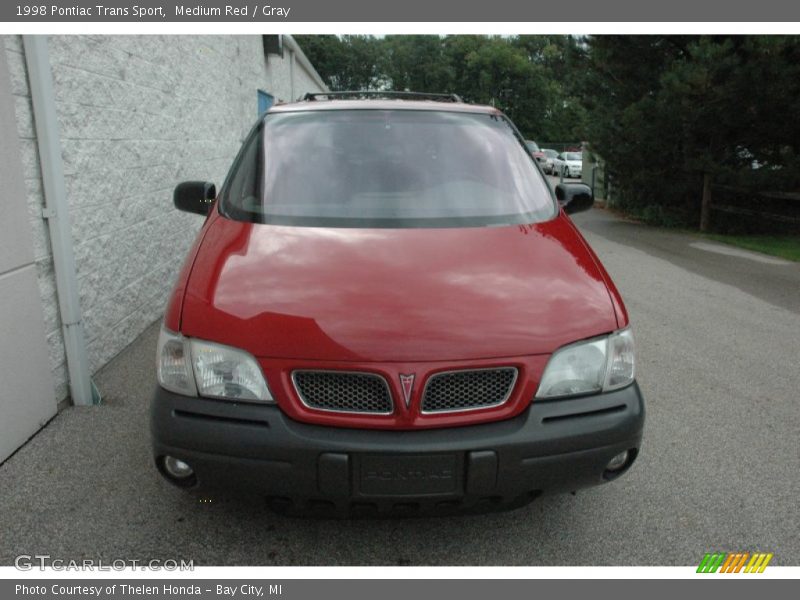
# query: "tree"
415 63
528 78
561 57
348 62
672 114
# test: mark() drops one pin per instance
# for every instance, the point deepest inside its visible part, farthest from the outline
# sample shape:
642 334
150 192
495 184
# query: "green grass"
784 246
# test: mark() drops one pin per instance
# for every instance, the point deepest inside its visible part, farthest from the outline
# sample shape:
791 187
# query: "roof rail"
363 94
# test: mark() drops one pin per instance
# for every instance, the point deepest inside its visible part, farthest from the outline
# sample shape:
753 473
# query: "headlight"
621 360
174 366
224 372
194 367
597 365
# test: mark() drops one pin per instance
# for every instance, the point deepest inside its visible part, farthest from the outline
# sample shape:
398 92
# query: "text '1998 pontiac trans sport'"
389 311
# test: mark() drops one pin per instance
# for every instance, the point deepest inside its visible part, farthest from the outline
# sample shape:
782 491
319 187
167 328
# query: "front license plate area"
408 474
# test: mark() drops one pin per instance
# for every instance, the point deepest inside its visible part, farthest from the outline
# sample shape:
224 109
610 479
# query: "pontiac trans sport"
388 309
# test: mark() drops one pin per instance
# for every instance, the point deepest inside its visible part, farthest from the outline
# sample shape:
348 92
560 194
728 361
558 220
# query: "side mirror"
574 197
194 196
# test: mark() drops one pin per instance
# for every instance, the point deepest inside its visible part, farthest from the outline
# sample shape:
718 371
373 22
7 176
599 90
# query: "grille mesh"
464 390
341 391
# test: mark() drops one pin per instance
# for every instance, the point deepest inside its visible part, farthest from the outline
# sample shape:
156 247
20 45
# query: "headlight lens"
174 367
224 372
621 360
194 367
601 364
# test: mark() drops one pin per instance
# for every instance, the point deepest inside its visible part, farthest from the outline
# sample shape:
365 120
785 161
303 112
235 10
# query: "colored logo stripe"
711 562
758 563
734 561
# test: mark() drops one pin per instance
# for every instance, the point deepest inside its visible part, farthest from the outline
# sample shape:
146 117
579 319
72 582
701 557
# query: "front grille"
342 391
468 390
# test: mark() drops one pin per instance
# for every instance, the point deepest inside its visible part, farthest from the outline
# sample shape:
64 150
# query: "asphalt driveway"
718 340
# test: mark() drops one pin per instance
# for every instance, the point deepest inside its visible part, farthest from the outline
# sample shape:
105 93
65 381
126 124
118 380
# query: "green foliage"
663 110
528 77
414 63
659 216
787 247
348 62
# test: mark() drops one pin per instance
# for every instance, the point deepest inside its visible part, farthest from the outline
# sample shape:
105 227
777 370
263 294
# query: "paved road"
718 344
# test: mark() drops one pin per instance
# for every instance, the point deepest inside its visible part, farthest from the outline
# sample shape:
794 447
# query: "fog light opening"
619 463
177 471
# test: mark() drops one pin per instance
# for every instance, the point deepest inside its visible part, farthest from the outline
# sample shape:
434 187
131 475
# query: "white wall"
26 398
290 76
137 115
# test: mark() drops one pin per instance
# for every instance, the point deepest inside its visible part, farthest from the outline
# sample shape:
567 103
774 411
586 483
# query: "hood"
395 294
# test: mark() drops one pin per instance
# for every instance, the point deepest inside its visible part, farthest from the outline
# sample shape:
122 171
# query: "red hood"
395 294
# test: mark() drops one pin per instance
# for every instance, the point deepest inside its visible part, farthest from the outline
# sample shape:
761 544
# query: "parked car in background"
547 162
570 164
535 150
389 310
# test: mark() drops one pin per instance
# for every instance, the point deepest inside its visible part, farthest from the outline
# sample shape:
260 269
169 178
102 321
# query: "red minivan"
387 311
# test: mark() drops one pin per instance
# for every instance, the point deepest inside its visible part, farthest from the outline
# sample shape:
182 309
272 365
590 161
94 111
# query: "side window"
243 189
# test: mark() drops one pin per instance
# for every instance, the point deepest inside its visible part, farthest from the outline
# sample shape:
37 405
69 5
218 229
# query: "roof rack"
363 94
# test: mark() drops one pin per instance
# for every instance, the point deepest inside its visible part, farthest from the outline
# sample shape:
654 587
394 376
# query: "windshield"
386 168
573 156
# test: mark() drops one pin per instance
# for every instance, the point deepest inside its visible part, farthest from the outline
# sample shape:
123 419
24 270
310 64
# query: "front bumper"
551 447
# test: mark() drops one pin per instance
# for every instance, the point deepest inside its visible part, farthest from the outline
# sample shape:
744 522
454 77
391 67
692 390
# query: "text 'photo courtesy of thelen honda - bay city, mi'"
388 309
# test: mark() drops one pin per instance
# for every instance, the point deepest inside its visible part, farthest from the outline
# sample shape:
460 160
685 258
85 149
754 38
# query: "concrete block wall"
137 114
289 76
304 81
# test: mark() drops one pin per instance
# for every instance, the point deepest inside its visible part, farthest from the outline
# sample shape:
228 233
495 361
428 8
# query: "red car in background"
537 152
389 310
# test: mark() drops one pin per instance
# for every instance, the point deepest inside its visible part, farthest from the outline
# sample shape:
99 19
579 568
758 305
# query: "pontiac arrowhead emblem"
407 381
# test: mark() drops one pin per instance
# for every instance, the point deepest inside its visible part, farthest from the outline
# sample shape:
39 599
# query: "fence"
762 211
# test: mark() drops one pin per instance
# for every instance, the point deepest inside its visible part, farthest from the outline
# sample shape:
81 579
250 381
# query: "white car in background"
570 164
547 162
